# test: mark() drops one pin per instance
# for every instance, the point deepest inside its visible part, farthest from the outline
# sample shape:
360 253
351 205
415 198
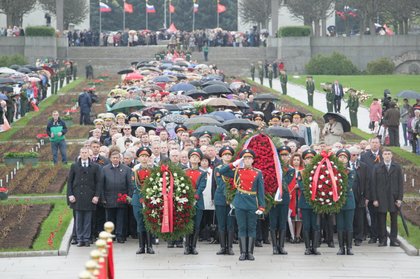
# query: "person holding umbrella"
283 82
333 131
310 88
338 93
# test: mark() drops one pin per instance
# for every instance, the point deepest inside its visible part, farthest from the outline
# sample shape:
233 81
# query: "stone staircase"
233 61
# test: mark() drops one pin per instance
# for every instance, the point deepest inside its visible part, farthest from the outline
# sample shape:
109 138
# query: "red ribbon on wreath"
326 160
168 202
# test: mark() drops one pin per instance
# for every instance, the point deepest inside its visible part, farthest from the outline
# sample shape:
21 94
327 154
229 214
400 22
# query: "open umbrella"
197 93
339 118
217 89
202 121
224 115
148 127
126 105
266 97
182 87
215 117
24 70
236 85
133 76
219 102
174 118
182 63
240 124
196 83
213 130
214 82
171 107
280 132
5 88
3 97
7 80
211 77
409 94
240 104
164 79
5 70
125 71
14 67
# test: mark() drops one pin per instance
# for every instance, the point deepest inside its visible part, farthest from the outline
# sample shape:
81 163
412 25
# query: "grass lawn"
373 85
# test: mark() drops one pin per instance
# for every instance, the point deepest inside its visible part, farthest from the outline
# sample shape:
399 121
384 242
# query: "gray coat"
84 184
115 180
387 186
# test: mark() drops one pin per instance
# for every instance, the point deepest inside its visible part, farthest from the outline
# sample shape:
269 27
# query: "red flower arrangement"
42 136
123 198
183 200
3 193
70 111
325 184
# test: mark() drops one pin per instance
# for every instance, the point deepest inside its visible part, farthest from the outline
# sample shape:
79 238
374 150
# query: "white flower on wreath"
161 179
327 181
182 179
330 193
151 178
341 180
187 188
175 174
339 175
182 184
158 174
184 192
310 178
322 193
321 176
155 187
330 203
321 199
328 200
319 186
315 167
332 163
312 172
183 200
335 177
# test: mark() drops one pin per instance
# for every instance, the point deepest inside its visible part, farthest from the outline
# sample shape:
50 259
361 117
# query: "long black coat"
387 186
115 180
84 184
370 160
361 183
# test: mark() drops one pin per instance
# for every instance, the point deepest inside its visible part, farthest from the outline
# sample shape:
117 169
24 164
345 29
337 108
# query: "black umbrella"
339 118
409 94
31 67
266 97
5 88
217 89
280 132
7 80
197 93
14 67
403 221
240 124
240 104
125 71
171 107
148 127
24 70
213 82
196 83
213 130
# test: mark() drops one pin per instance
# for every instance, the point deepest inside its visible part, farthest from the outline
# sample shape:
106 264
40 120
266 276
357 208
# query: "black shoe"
394 243
242 248
80 244
222 237
382 244
372 241
331 244
73 242
281 243
266 241
87 244
258 244
120 240
179 245
357 242
250 250
171 245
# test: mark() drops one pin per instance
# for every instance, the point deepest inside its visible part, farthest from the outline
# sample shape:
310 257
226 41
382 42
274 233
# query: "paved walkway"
369 261
299 92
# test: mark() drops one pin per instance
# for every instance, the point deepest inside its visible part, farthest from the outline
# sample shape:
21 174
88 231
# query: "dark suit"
371 161
360 190
387 189
338 92
84 184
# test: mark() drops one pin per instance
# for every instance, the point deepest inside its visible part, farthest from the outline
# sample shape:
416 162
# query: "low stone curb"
409 249
65 242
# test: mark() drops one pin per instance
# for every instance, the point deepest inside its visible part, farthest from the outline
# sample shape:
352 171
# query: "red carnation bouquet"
123 198
3 193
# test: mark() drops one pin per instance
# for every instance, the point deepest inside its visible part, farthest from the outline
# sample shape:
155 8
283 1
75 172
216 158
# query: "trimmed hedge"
40 31
294 31
6 61
382 66
336 64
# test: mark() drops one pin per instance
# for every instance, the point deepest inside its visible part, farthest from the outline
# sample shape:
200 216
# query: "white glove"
231 206
237 162
259 212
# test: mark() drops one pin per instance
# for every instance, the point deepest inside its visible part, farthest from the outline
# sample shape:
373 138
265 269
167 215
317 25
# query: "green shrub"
380 66
6 61
294 31
21 155
336 64
39 31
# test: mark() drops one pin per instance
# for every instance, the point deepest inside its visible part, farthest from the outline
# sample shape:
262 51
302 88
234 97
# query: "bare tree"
75 11
15 9
255 11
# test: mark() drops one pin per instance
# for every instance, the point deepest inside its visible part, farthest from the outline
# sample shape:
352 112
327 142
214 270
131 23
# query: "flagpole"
123 15
217 10
193 27
170 14
164 14
100 24
147 19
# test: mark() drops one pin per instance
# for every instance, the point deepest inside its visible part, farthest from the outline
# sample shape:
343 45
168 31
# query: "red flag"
128 8
171 8
220 8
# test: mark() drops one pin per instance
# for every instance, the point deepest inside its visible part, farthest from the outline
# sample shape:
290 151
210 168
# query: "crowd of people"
123 148
15 31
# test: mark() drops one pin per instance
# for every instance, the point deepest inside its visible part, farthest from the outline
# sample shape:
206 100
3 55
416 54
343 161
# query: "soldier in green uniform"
353 105
346 215
249 200
157 56
188 56
252 71
260 70
330 100
283 82
224 220
62 76
270 75
310 219
141 172
279 211
74 70
310 88
54 80
68 73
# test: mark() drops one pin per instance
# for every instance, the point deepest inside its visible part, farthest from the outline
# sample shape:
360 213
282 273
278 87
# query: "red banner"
326 160
128 8
221 8
171 8
168 202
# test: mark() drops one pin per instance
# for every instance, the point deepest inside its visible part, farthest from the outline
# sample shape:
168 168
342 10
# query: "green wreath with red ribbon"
168 218
325 184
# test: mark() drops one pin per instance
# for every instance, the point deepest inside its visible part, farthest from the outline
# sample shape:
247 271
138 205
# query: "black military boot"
250 249
242 247
229 250
222 240
149 249
194 243
341 250
281 242
141 243
273 234
315 242
187 250
307 241
349 243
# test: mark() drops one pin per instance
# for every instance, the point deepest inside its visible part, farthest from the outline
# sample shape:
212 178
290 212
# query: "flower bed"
183 202
20 224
